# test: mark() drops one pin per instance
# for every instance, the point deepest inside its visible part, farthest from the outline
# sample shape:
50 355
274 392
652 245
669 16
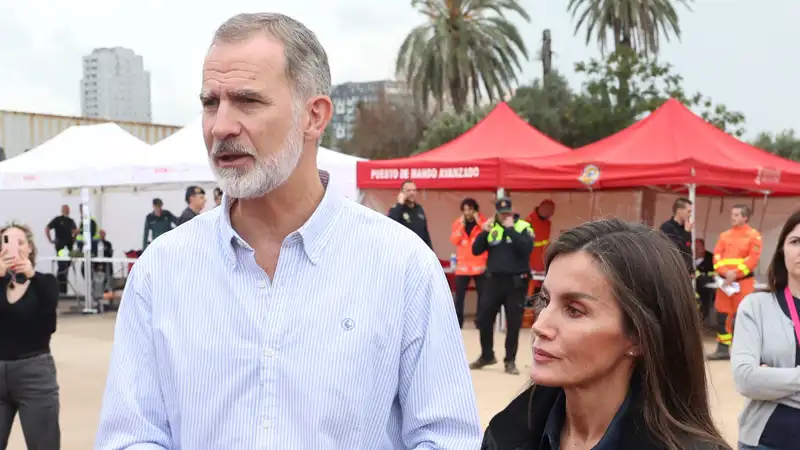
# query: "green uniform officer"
509 242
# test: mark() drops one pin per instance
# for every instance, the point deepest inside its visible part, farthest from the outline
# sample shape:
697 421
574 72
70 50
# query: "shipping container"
21 131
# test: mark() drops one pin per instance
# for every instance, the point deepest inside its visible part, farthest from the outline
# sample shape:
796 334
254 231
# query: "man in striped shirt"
289 317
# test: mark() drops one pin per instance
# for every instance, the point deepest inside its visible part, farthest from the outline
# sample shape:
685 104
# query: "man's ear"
320 111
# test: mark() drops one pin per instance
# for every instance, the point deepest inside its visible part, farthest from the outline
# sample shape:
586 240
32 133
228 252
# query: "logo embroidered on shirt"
348 324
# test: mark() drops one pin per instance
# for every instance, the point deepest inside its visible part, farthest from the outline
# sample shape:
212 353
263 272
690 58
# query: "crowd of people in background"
332 343
499 254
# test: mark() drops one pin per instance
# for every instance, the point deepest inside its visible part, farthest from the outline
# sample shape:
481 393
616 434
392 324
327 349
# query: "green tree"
638 25
385 129
465 48
785 144
603 108
447 126
548 105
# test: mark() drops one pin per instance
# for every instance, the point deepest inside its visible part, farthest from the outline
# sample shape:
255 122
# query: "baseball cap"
503 205
157 202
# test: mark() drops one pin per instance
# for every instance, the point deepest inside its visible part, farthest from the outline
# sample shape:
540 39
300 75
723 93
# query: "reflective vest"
93 224
738 249
466 262
497 231
63 253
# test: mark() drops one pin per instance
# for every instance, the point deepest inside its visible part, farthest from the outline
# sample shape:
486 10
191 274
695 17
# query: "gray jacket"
763 335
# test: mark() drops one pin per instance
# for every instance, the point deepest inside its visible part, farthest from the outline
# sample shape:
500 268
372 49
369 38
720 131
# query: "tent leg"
693 199
88 305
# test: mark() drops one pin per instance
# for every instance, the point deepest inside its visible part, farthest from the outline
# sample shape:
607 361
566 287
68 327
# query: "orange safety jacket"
738 249
466 262
541 233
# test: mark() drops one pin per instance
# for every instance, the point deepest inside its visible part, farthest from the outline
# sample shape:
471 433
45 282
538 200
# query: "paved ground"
82 347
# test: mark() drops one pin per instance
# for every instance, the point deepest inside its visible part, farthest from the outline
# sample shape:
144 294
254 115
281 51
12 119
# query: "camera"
18 278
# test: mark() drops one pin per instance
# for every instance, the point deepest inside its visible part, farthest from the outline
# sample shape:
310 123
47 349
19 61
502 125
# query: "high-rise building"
347 96
115 86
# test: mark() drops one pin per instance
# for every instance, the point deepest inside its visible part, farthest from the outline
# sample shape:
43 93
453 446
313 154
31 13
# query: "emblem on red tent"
768 175
590 175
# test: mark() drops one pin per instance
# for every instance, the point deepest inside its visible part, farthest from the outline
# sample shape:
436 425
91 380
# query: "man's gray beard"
267 173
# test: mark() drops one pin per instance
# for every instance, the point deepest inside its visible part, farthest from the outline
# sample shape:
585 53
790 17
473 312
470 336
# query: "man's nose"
225 123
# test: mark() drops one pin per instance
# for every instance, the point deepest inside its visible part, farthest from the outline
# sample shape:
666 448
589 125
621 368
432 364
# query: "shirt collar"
551 439
314 234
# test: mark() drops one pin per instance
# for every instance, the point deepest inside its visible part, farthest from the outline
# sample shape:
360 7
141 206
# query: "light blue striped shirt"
354 345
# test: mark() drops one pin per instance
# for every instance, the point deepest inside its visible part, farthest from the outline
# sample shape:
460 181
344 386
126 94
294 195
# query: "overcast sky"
739 52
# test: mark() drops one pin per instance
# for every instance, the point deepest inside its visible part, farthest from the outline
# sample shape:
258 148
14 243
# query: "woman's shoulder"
758 300
43 279
45 276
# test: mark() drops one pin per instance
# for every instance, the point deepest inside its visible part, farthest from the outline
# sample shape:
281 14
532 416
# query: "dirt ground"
82 347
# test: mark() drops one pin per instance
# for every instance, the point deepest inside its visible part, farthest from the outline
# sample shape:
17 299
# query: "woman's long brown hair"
651 283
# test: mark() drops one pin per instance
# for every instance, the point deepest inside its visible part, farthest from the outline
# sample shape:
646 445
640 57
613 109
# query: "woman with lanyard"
765 356
28 303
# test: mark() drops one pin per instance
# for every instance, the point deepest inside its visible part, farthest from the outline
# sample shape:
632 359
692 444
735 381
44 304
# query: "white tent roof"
183 158
80 156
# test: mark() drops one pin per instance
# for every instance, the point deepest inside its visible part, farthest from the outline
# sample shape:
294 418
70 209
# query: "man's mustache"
231 147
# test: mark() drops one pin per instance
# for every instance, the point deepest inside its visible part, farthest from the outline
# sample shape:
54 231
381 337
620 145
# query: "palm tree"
638 25
466 47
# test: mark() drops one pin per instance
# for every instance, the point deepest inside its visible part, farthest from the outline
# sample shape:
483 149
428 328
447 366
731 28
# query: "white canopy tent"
80 156
182 158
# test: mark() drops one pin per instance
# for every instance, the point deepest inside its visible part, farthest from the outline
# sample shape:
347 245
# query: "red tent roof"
471 161
670 148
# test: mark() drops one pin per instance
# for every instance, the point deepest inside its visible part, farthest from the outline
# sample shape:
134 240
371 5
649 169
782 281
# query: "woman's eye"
573 312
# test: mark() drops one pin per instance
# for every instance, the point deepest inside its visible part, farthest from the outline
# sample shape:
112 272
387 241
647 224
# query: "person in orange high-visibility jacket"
540 222
736 256
468 266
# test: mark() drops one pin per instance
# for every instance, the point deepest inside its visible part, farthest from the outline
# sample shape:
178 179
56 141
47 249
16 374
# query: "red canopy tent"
672 149
474 160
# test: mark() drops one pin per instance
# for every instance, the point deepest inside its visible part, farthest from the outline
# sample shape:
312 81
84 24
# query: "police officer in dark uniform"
195 201
157 222
509 242
410 213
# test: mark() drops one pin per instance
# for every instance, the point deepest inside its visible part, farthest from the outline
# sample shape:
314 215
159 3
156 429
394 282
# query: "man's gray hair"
306 61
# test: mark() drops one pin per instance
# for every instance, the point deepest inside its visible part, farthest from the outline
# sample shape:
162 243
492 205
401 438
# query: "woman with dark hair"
765 356
617 348
28 301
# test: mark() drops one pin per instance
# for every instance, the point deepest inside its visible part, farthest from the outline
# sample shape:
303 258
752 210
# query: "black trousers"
28 387
722 318
462 283
509 293
63 271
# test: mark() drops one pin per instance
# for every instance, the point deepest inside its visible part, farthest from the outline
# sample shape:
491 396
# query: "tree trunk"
623 43
457 96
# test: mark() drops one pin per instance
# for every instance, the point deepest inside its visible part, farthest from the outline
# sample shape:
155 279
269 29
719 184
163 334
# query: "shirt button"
262 284
269 353
266 424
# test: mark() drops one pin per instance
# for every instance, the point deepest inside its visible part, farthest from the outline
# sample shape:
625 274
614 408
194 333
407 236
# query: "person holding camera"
28 303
